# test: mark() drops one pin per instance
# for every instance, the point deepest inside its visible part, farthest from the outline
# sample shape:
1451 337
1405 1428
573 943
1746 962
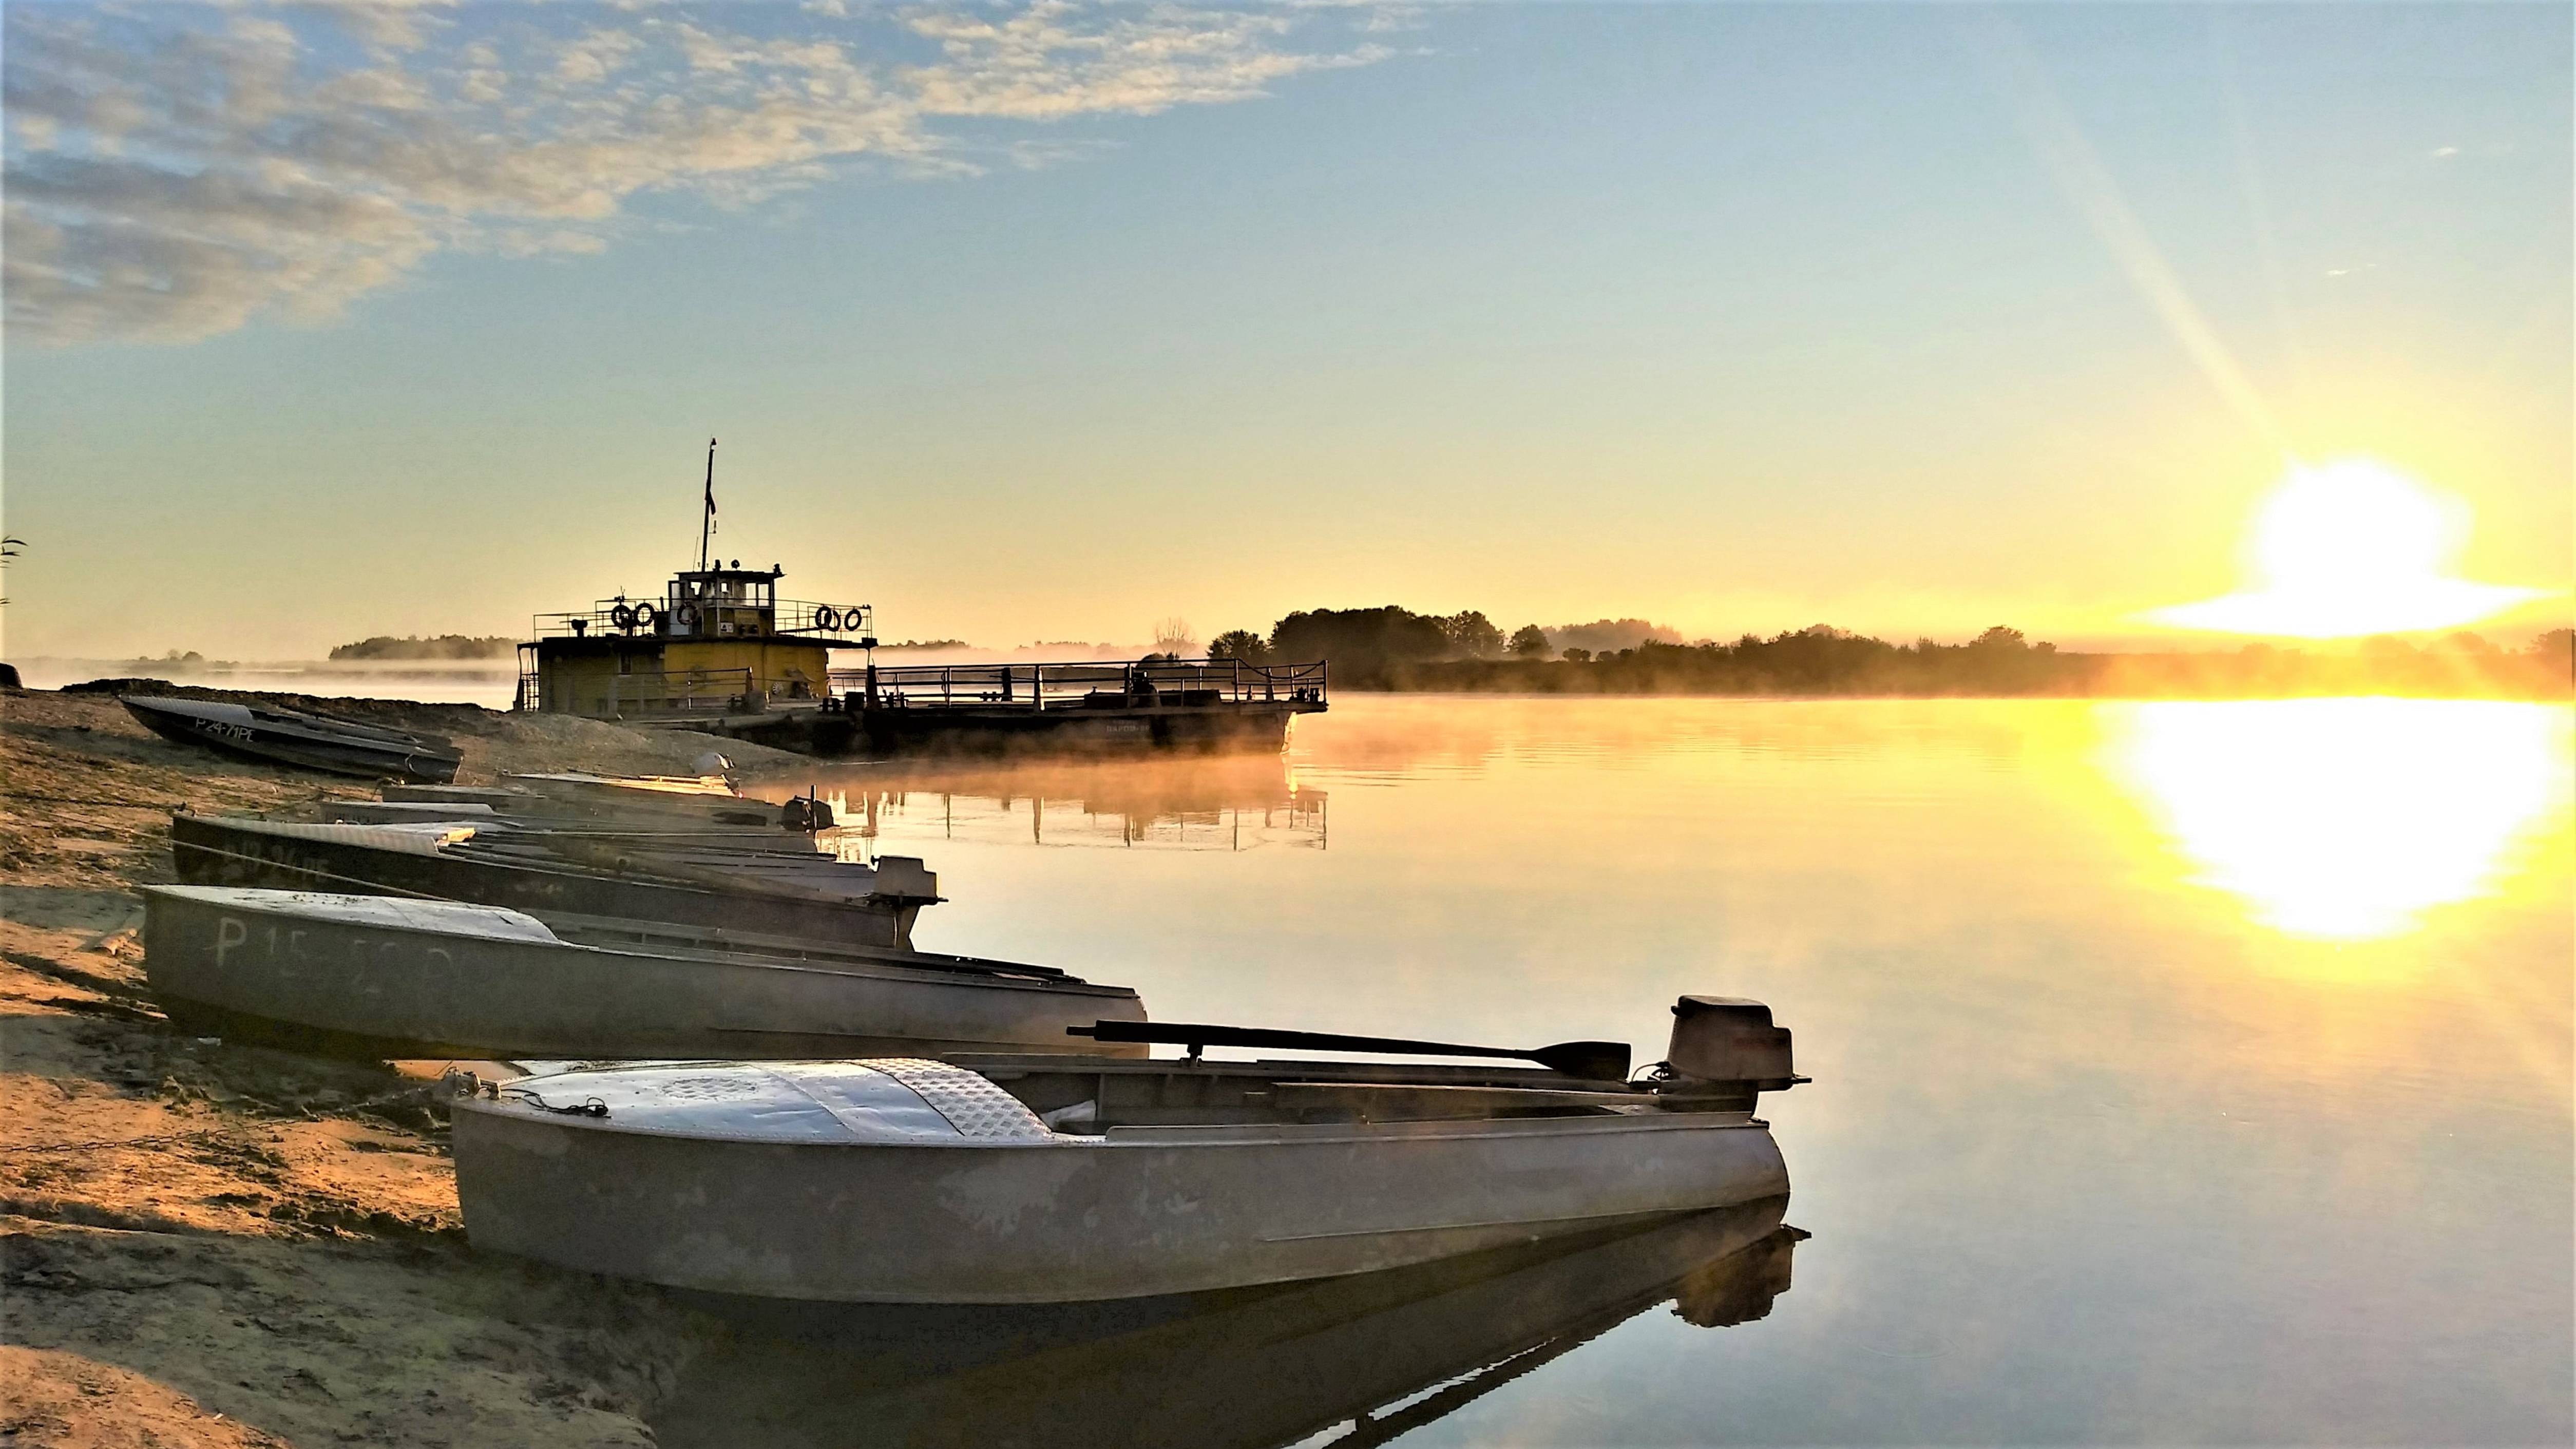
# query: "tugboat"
719 651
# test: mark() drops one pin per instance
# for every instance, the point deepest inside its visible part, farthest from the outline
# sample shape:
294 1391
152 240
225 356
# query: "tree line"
1396 648
444 646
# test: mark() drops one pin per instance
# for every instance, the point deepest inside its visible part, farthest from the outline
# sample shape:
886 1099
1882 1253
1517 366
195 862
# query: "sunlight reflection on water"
2346 819
2192 1072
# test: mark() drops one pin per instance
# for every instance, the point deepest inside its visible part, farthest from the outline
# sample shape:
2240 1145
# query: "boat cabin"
718 641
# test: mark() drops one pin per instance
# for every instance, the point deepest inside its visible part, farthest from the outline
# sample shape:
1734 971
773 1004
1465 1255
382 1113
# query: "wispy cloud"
175 173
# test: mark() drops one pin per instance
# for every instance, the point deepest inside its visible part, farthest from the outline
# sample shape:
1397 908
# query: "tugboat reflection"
1224 802
1361 1360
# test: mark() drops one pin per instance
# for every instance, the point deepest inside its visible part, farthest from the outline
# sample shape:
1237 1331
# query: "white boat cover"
381 913
410 837
895 1100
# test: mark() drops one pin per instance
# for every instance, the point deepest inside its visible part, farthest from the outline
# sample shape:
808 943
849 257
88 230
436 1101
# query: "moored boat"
782 894
1025 1179
293 737
378 976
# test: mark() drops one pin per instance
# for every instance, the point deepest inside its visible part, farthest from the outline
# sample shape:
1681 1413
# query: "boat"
291 737
991 1178
380 977
680 879
1376 1355
708 801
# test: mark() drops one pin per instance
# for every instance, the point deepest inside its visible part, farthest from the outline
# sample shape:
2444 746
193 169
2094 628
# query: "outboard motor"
1730 1039
805 812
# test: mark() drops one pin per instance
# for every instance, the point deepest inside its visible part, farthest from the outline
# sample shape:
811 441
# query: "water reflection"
1346 1361
1221 802
2346 819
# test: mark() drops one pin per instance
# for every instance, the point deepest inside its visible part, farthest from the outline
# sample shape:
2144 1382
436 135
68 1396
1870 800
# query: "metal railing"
1131 684
678 691
852 626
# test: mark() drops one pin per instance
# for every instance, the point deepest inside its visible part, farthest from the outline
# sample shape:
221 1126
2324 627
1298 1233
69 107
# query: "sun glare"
2346 819
2347 548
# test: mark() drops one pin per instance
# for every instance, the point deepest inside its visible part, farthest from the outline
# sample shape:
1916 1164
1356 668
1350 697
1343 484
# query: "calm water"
2183 1072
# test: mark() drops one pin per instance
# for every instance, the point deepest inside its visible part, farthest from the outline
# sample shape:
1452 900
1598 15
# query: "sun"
2346 548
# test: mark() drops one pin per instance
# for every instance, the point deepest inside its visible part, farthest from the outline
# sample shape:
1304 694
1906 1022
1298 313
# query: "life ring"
827 619
646 616
622 616
685 616
854 615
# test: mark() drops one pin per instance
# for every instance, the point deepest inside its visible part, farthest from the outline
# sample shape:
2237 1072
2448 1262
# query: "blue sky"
1048 323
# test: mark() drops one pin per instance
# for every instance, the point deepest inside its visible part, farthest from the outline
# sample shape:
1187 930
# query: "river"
2183 1072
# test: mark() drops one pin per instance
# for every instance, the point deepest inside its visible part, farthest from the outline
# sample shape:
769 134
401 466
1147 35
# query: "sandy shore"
209 1244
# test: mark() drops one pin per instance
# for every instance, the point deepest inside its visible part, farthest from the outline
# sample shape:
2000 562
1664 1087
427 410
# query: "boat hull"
279 737
257 964
1258 1368
1135 1213
212 850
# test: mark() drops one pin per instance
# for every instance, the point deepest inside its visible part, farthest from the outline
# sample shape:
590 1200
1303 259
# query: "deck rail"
1090 684
678 691
851 626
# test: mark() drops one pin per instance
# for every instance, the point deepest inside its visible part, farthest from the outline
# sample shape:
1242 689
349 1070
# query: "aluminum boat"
1029 1179
292 737
377 977
682 879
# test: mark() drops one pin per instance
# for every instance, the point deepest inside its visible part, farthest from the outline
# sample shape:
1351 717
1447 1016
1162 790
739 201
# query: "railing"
1131 684
852 626
678 691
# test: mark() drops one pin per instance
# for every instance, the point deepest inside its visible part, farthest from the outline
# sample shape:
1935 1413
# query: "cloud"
178 173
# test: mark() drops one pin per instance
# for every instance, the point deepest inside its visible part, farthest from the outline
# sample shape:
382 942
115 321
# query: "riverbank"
222 1245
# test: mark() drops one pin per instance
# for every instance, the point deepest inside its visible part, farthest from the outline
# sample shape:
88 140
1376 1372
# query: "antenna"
707 521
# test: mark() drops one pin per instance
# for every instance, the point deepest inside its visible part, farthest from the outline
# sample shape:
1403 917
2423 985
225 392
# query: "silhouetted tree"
1578 656
1240 644
1472 635
1529 641
1173 637
1364 645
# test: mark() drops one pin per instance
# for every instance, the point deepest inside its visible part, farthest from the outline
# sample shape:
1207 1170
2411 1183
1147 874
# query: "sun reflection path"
2346 819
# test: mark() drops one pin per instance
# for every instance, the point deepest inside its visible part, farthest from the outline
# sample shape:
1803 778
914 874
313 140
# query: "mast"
707 520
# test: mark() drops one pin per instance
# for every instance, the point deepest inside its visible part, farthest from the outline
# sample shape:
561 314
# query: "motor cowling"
1729 1039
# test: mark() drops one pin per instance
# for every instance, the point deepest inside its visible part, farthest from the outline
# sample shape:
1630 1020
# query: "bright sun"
2350 547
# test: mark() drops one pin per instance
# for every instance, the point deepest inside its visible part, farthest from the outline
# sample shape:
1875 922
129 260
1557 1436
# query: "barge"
720 652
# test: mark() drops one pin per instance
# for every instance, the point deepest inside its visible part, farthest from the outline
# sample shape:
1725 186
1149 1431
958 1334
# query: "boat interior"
714 943
1086 1095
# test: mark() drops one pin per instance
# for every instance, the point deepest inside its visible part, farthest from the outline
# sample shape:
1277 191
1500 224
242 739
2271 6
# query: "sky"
1049 322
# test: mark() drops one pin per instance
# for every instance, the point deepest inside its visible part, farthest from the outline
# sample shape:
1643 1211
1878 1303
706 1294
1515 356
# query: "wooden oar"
1594 1061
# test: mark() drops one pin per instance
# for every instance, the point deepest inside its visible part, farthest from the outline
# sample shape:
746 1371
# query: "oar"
1595 1061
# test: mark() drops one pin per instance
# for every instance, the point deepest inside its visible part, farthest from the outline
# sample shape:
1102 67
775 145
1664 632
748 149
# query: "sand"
209 1244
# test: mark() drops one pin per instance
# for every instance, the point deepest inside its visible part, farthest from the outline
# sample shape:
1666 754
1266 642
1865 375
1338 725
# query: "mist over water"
2183 1072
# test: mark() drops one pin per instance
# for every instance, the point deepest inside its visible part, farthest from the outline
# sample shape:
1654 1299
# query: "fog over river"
2183 1072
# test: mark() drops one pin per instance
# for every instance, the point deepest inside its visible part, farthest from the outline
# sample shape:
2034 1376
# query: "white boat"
1030 1179
380 976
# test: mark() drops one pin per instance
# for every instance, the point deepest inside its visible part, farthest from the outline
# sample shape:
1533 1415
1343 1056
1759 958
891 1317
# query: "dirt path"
203 1243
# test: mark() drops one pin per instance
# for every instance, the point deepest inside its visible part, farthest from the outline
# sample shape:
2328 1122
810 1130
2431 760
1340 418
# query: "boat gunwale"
1248 1134
980 979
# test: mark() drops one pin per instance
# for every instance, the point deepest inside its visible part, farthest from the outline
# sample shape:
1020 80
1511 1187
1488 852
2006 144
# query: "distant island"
1394 648
445 646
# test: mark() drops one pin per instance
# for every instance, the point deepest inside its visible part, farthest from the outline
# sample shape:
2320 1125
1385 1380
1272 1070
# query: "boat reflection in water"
1264 1366
1217 802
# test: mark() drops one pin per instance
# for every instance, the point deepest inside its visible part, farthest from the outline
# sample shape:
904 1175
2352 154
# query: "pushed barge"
719 651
